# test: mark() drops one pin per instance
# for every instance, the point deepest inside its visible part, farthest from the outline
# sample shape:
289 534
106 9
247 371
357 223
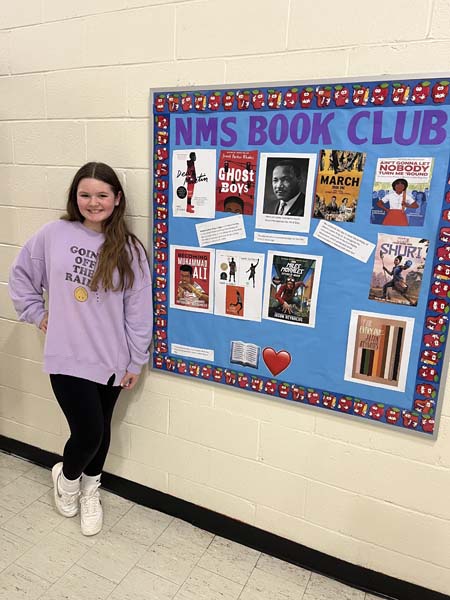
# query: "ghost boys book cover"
236 181
399 262
378 349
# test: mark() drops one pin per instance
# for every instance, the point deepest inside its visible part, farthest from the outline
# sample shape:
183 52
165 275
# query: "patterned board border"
428 92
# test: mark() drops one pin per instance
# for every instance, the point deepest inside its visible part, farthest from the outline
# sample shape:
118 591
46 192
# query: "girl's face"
96 202
399 187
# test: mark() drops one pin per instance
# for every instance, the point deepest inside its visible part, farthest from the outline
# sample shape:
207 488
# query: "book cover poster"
291 289
239 284
236 181
285 190
378 350
399 262
193 183
401 191
191 282
234 300
337 185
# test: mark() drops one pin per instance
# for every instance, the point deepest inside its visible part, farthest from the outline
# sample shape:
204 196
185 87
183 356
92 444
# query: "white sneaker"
91 512
66 503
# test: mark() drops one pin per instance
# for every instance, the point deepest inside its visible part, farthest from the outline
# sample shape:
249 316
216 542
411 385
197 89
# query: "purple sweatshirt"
91 335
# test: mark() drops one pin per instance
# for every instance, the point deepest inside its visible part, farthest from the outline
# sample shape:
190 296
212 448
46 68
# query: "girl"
98 325
398 200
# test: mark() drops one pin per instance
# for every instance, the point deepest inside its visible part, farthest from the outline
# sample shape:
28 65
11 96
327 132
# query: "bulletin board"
302 243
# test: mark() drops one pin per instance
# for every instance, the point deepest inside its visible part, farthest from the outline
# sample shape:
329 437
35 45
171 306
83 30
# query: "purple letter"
256 133
183 129
206 128
320 130
352 135
278 129
378 129
433 122
229 131
399 134
306 128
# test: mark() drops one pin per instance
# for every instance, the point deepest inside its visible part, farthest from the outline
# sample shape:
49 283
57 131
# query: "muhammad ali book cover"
399 262
191 281
337 185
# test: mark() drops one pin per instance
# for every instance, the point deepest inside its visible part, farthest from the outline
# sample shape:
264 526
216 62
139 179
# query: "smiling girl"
98 325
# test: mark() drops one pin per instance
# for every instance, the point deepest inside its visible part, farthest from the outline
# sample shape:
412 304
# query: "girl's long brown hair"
116 250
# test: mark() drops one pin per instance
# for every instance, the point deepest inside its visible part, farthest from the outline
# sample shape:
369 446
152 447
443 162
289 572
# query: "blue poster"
302 243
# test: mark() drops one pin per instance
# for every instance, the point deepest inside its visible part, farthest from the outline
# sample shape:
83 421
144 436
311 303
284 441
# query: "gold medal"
80 294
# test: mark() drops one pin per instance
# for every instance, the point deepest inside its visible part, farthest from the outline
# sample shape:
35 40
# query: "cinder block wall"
74 86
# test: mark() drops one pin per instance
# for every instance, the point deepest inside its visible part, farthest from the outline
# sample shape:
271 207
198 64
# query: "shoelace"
67 498
90 503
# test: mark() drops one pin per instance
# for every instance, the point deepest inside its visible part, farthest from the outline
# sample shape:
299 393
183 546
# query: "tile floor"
141 554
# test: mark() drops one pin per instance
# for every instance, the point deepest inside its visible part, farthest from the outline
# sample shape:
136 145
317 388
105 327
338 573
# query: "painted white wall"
74 86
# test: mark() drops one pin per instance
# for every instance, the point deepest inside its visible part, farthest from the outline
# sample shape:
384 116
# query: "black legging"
88 408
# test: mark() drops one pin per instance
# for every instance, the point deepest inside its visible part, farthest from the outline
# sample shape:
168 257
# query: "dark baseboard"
263 541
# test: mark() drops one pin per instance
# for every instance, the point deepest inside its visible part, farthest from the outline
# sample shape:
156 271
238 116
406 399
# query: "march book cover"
337 185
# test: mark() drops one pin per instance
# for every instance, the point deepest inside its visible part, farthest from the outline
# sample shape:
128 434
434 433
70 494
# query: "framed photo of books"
378 349
301 242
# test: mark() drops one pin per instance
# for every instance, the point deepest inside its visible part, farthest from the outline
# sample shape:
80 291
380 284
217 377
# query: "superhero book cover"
291 291
399 262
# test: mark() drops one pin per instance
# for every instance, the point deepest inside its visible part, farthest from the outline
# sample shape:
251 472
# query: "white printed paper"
280 238
221 231
192 352
344 241
238 284
285 191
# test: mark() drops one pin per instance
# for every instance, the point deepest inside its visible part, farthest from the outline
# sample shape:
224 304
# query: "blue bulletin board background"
402 119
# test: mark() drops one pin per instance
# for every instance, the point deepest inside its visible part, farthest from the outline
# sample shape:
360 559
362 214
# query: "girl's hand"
43 324
129 380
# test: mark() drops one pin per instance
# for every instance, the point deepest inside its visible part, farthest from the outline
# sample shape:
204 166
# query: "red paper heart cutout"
276 361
